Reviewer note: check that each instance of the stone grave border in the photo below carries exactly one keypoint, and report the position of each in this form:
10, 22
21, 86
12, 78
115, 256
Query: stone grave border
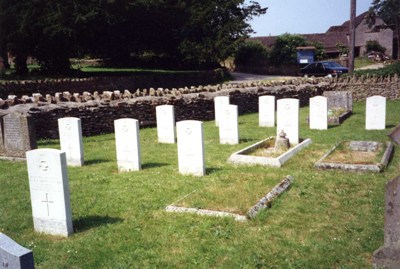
378, 167
241, 157
264, 202
340, 119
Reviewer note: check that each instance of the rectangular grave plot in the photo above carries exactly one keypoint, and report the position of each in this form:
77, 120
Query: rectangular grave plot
357, 156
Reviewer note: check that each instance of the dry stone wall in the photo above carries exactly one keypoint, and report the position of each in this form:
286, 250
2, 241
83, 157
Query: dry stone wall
99, 110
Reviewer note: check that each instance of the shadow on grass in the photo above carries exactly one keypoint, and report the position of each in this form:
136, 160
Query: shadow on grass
211, 170
96, 161
89, 222
45, 142
153, 165
245, 140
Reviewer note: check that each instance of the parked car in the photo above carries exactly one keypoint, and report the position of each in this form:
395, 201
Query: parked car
322, 69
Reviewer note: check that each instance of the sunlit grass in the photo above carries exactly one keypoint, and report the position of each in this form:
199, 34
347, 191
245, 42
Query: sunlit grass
328, 219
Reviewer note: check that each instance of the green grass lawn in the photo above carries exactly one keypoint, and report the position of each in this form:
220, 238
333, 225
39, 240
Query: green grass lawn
327, 219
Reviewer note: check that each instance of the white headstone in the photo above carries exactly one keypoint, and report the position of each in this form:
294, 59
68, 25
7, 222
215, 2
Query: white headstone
219, 103
49, 189
165, 124
266, 111
375, 113
70, 131
228, 125
191, 158
319, 113
128, 144
288, 119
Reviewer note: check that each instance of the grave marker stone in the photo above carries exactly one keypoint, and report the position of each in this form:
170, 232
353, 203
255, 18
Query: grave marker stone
49, 189
375, 114
388, 256
266, 111
70, 132
18, 135
127, 141
319, 113
339, 99
165, 124
219, 103
191, 157
288, 119
228, 125
13, 255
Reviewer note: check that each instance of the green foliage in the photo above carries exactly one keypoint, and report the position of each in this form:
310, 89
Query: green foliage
342, 48
388, 70
319, 50
251, 54
373, 45
328, 219
284, 50
158, 32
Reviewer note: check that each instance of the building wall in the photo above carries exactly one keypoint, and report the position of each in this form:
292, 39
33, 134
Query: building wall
383, 36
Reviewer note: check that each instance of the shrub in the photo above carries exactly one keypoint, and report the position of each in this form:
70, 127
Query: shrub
251, 53
373, 45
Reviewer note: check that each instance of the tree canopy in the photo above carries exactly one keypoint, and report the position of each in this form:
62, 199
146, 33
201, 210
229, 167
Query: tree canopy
389, 11
182, 33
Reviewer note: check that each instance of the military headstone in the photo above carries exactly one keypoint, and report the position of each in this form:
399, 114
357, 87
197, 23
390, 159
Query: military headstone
375, 114
219, 103
339, 99
13, 255
127, 141
49, 189
191, 159
228, 125
266, 111
388, 256
18, 135
288, 119
165, 124
70, 132
319, 113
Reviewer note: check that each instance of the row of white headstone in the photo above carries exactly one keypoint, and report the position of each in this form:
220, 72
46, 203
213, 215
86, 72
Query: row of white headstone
47, 168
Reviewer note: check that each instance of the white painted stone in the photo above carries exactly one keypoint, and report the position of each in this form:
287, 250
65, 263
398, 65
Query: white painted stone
49, 189
266, 111
70, 132
375, 116
191, 158
165, 124
219, 103
288, 119
228, 125
127, 142
319, 113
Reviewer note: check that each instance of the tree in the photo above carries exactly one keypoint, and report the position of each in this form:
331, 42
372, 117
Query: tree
389, 12
284, 50
251, 54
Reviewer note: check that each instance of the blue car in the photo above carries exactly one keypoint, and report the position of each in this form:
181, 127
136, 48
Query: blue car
323, 69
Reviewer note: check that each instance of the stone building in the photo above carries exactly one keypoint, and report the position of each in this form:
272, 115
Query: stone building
340, 35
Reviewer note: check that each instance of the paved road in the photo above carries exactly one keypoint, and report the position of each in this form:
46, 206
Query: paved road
243, 77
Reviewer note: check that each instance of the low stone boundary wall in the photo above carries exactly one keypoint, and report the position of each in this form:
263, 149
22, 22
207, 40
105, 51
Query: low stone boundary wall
99, 110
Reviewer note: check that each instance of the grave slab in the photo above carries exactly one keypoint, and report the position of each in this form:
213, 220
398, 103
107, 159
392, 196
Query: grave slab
18, 136
266, 111
13, 255
288, 119
228, 125
191, 157
319, 113
70, 132
127, 142
388, 256
219, 103
339, 99
165, 124
49, 190
375, 114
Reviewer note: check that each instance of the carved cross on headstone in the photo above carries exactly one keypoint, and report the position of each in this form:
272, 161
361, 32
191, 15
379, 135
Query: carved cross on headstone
47, 204
388, 256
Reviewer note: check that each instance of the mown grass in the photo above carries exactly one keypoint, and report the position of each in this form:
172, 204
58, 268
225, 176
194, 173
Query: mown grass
328, 219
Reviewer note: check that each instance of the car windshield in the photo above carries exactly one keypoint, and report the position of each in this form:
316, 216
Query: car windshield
331, 64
